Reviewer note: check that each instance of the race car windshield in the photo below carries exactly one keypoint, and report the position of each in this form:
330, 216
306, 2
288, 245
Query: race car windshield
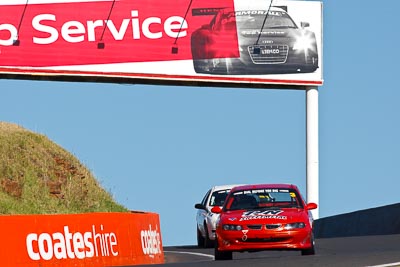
218, 197
254, 20
264, 198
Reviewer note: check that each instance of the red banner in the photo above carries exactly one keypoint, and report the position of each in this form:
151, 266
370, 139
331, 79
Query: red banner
61, 34
93, 239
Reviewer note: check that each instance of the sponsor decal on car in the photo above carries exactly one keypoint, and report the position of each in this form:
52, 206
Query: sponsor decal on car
244, 237
263, 214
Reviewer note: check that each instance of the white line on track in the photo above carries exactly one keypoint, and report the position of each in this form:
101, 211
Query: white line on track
192, 253
394, 264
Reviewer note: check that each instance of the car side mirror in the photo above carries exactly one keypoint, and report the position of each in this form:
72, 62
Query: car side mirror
304, 24
199, 206
216, 209
311, 206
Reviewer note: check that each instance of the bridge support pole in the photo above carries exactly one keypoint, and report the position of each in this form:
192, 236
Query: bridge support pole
312, 147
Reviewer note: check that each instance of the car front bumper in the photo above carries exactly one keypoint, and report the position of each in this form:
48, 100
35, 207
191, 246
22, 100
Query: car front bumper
238, 241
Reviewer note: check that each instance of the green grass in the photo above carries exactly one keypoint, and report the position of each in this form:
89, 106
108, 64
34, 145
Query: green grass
39, 177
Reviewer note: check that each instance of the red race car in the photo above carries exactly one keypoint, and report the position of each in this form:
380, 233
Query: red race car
264, 217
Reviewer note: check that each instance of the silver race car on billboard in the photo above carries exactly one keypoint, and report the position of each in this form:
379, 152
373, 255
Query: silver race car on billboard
268, 42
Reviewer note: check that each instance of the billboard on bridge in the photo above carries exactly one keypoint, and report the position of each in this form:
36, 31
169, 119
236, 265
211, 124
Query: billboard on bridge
275, 42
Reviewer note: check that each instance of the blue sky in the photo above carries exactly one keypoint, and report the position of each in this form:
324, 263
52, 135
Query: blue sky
160, 148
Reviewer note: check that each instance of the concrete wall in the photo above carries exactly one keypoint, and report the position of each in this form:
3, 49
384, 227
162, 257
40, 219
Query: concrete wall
383, 220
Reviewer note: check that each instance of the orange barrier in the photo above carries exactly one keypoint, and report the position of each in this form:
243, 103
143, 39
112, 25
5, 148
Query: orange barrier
91, 239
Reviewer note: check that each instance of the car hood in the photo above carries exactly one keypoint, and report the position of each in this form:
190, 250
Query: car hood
264, 216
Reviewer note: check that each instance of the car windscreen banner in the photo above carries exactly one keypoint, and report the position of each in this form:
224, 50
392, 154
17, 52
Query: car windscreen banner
219, 41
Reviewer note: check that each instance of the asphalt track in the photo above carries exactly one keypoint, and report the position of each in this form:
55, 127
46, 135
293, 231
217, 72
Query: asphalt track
378, 251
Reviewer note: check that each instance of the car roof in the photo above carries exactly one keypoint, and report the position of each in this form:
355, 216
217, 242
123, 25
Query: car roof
257, 8
258, 186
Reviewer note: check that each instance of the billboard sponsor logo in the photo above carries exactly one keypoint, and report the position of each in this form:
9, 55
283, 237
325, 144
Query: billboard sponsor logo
151, 241
76, 31
270, 51
66, 244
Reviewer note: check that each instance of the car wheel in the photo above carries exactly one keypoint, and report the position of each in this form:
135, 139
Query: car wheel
221, 67
210, 66
200, 239
208, 243
221, 255
311, 250
201, 66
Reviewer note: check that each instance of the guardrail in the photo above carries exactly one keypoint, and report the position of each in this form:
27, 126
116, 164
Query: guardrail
383, 220
90, 239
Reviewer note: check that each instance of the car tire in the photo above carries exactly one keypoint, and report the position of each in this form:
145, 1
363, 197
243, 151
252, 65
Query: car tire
311, 250
208, 243
207, 66
221, 255
222, 68
201, 65
200, 239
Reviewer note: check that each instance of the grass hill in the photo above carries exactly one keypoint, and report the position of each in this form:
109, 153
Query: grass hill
39, 177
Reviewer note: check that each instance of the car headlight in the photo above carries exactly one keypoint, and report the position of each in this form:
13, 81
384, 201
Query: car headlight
297, 225
232, 227
304, 42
